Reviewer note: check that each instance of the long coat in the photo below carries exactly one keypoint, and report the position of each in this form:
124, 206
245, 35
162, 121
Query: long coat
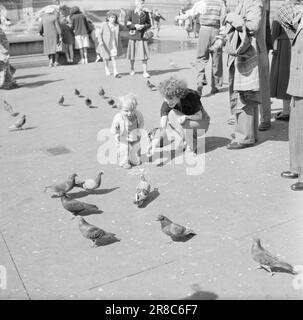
50, 29
104, 38
246, 76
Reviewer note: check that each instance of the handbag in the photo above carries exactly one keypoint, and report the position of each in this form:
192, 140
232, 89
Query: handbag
59, 47
238, 42
148, 35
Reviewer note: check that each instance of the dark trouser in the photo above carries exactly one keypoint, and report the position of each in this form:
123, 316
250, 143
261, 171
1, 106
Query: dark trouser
265, 105
207, 36
233, 96
296, 137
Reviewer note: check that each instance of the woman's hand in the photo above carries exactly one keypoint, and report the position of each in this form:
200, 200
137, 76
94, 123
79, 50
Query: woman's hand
182, 119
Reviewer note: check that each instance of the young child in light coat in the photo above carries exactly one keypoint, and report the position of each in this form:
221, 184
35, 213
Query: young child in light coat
126, 128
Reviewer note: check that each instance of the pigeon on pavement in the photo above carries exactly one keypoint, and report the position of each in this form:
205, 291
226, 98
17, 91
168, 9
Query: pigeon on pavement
111, 101
90, 184
143, 190
61, 101
77, 92
18, 125
267, 261
94, 233
9, 109
150, 85
101, 92
77, 207
174, 230
63, 187
88, 102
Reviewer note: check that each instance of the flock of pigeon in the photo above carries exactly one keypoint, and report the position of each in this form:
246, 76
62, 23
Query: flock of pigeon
98, 236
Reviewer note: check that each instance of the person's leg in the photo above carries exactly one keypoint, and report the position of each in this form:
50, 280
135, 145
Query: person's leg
134, 154
233, 96
286, 107
116, 73
81, 55
245, 123
106, 67
85, 55
56, 57
71, 52
67, 56
132, 67
265, 105
202, 56
217, 66
123, 154
50, 59
145, 73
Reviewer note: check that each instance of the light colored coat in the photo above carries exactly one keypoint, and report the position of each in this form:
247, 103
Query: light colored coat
104, 40
50, 29
295, 85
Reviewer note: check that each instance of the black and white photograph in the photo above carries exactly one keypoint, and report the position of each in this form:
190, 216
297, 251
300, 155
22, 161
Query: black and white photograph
151, 150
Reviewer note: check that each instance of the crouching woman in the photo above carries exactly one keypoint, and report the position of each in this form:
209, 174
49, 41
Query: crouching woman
183, 112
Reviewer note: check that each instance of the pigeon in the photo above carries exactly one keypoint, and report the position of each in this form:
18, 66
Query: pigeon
174, 230
61, 101
9, 109
143, 190
94, 233
77, 207
111, 101
63, 187
77, 92
173, 64
88, 102
267, 261
101, 92
150, 85
91, 184
18, 125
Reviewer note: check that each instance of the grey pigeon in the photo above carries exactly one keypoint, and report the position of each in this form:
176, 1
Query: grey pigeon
174, 230
111, 101
18, 125
78, 207
95, 234
61, 101
88, 102
8, 108
77, 92
91, 184
63, 187
142, 192
101, 92
150, 85
268, 261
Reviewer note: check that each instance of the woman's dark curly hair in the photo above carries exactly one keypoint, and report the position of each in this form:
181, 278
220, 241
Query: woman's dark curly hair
173, 87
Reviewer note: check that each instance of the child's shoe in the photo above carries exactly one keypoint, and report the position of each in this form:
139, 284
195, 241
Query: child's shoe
132, 73
146, 75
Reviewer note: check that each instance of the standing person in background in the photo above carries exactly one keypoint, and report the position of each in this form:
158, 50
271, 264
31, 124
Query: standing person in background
211, 14
265, 105
68, 39
110, 42
283, 33
138, 22
80, 26
7, 80
244, 69
51, 31
157, 20
295, 89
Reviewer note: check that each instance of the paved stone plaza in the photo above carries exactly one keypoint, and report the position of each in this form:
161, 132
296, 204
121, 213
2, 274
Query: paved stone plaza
239, 195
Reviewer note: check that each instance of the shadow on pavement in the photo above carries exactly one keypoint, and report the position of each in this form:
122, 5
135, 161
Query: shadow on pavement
202, 295
82, 194
277, 132
31, 76
213, 143
38, 83
151, 197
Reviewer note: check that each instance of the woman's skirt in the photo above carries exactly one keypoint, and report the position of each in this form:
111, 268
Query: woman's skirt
137, 50
296, 135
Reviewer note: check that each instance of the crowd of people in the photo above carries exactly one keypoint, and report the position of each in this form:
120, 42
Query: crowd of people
243, 32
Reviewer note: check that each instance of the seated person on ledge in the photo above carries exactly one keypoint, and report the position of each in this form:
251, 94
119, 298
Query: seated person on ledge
183, 111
